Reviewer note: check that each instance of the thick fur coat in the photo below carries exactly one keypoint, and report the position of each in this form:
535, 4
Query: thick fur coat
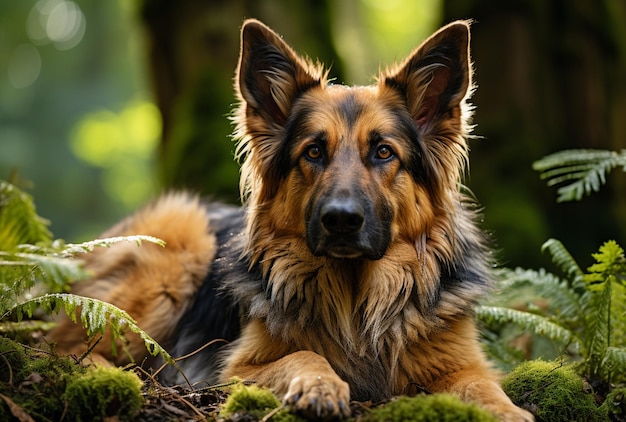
351, 271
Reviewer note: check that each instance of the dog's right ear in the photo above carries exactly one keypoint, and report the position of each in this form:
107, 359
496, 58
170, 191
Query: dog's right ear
270, 75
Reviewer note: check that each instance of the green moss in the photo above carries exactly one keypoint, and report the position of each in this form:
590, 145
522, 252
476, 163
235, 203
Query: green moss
55, 367
103, 392
34, 380
552, 391
251, 399
13, 361
436, 407
256, 402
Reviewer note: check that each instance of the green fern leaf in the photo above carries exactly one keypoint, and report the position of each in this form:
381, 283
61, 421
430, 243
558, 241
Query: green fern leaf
73, 249
610, 264
510, 279
563, 259
586, 169
49, 265
29, 256
530, 322
614, 363
95, 316
598, 333
604, 313
54, 272
500, 351
564, 301
19, 222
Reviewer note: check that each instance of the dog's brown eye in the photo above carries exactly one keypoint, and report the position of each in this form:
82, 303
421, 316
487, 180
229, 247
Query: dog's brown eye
313, 152
384, 152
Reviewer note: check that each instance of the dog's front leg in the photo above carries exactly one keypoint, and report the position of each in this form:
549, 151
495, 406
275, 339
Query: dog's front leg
303, 379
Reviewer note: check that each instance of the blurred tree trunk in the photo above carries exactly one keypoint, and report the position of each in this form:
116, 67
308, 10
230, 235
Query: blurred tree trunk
551, 76
193, 50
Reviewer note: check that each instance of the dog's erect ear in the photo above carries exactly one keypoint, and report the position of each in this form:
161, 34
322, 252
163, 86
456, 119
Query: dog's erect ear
270, 74
437, 76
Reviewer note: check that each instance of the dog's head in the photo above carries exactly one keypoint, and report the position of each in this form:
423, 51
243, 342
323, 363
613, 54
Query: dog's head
351, 169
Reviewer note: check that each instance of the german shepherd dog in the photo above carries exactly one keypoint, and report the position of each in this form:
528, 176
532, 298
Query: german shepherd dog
351, 270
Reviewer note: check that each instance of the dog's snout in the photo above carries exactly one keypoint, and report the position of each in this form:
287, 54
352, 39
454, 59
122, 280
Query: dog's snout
343, 216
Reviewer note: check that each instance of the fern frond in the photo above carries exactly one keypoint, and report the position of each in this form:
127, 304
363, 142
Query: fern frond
49, 265
512, 278
501, 351
19, 222
536, 324
55, 272
73, 249
614, 364
586, 169
610, 264
618, 315
605, 281
564, 260
62, 250
597, 334
16, 277
95, 316
564, 302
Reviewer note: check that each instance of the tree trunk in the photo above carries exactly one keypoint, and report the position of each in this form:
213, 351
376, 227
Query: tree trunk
193, 47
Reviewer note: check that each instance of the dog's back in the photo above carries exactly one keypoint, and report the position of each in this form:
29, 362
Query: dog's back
170, 291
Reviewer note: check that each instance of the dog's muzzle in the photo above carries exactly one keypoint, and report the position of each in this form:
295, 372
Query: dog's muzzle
346, 226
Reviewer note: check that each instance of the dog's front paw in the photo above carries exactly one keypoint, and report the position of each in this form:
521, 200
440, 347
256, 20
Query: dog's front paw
320, 397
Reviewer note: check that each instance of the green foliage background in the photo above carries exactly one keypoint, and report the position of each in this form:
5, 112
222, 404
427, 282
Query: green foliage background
82, 124
84, 130
80, 129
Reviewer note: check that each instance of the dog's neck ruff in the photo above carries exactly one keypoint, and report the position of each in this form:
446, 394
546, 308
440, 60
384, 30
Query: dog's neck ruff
366, 306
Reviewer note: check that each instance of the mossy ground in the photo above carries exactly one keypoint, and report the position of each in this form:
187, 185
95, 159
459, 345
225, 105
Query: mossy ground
426, 408
49, 388
46, 387
554, 392
102, 392
245, 402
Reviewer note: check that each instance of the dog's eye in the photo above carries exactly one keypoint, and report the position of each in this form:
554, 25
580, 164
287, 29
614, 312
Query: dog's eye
313, 152
384, 152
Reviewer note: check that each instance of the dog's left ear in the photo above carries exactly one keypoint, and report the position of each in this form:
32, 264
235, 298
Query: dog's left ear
436, 77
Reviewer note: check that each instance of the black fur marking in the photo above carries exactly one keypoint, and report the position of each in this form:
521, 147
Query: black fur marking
417, 166
213, 315
294, 129
350, 109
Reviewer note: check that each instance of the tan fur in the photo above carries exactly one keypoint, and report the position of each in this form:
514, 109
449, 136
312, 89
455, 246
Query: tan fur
153, 284
390, 313
438, 351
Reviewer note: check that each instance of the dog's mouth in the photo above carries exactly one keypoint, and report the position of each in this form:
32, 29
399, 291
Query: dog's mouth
350, 247
344, 252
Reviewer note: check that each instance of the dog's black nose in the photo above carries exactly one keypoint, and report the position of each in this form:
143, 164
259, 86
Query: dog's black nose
342, 216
